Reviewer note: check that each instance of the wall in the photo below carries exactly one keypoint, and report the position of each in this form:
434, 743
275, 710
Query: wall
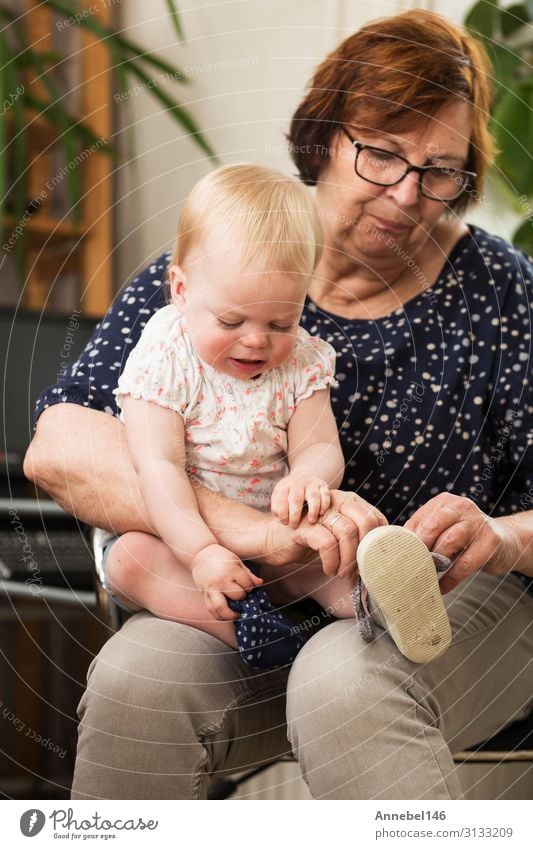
247, 63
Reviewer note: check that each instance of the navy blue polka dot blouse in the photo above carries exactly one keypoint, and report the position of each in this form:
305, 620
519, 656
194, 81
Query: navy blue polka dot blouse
434, 397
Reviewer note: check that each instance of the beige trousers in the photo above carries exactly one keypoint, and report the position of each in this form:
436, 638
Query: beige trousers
168, 708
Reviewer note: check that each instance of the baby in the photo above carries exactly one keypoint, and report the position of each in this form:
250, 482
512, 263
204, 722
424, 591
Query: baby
225, 390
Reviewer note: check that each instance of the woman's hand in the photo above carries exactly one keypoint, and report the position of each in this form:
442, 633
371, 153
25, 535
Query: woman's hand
334, 538
456, 527
349, 519
218, 573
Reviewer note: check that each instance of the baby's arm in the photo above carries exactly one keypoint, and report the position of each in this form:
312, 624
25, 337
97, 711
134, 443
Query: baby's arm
156, 441
315, 459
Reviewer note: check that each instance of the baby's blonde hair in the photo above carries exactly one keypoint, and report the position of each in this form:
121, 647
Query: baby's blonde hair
268, 215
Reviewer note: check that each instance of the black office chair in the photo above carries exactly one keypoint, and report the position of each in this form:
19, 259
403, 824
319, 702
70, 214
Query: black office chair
514, 744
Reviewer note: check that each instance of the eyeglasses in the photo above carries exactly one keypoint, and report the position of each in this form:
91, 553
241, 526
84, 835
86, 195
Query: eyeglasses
383, 168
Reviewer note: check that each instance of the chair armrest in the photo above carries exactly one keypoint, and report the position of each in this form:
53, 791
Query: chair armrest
112, 615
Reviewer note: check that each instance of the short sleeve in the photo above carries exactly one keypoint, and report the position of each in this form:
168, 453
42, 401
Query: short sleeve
159, 368
90, 380
314, 366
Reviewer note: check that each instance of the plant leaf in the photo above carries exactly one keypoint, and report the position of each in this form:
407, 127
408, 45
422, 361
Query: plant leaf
529, 9
112, 36
523, 237
513, 18
175, 109
506, 63
24, 58
124, 48
85, 135
513, 129
504, 190
175, 19
483, 18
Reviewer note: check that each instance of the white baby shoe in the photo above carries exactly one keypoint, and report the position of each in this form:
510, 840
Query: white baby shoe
399, 575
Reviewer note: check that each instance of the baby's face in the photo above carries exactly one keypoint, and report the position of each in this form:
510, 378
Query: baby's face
241, 321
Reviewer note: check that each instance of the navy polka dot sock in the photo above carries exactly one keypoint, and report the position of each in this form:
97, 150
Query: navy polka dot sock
265, 638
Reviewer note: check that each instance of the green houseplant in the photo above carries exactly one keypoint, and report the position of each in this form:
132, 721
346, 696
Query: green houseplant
507, 33
129, 60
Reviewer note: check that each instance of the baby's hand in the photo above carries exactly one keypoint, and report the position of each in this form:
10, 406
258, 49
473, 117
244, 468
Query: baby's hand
291, 493
218, 572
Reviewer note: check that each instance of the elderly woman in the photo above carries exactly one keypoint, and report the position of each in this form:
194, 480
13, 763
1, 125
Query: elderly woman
430, 320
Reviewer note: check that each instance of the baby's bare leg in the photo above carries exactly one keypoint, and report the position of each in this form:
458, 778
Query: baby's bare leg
293, 583
144, 574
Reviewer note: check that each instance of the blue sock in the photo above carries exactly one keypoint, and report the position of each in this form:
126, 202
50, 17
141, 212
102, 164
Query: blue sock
265, 638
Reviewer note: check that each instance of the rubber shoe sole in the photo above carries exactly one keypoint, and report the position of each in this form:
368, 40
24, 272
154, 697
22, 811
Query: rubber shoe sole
399, 573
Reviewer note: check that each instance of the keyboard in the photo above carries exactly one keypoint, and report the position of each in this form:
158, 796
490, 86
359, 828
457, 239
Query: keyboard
45, 547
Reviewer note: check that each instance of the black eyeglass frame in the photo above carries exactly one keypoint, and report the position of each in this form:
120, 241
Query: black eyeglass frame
421, 170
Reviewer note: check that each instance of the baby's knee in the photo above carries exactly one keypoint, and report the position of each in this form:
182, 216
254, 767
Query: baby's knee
129, 558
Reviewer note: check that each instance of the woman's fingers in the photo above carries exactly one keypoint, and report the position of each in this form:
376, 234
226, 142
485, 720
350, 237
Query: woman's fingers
356, 518
471, 546
454, 539
454, 526
319, 539
461, 569
364, 516
335, 545
342, 525
347, 535
433, 519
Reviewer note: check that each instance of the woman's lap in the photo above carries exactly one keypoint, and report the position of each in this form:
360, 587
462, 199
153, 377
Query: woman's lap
385, 726
167, 706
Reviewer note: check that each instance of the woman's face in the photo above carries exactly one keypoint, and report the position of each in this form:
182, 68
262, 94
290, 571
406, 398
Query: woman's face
369, 222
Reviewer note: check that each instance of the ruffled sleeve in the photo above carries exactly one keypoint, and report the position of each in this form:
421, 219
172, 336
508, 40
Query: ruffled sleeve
314, 363
159, 369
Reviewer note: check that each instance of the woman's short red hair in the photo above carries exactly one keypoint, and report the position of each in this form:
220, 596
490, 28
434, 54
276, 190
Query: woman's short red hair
391, 75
